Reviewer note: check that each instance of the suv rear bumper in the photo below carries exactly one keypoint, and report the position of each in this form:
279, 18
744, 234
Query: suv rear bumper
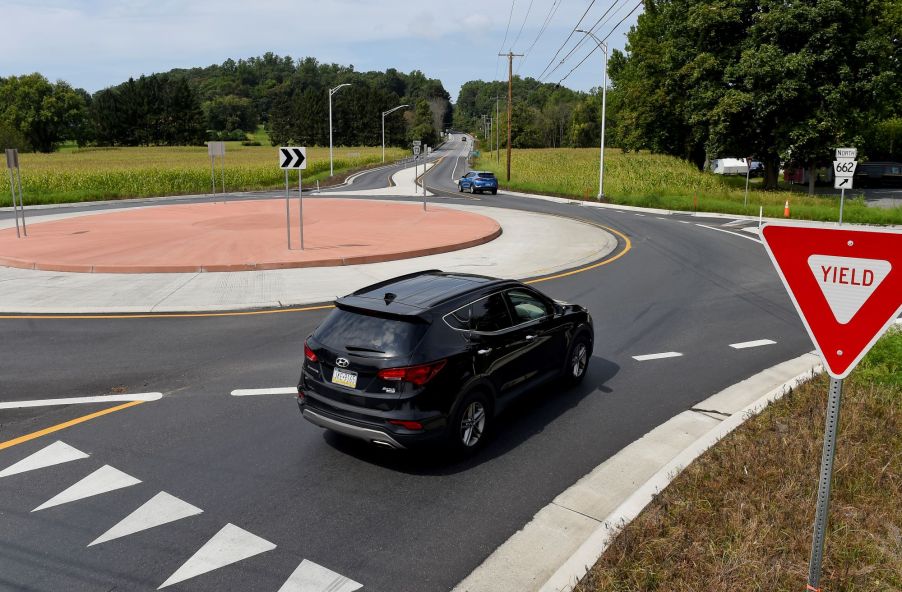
370, 435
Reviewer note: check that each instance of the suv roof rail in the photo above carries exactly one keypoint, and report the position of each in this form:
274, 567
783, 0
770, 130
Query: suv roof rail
394, 280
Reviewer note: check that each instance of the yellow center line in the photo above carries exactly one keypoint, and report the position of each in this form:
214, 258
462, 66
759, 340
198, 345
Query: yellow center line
66, 424
628, 245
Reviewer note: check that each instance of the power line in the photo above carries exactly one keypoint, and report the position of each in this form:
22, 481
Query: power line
635, 8
523, 24
506, 31
583, 39
548, 19
566, 40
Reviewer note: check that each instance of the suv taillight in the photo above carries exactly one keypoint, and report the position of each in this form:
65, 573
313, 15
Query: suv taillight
308, 353
418, 375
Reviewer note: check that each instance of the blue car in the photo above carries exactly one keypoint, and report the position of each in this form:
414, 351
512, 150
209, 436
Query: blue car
478, 182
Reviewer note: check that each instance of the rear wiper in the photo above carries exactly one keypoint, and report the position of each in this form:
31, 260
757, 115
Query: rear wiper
363, 349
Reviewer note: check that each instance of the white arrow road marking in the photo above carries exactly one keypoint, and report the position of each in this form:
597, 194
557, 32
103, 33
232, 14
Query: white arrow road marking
82, 400
160, 509
288, 390
748, 344
660, 356
56, 453
229, 545
103, 480
311, 577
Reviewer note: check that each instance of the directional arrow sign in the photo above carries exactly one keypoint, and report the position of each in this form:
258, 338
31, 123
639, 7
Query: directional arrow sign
845, 284
293, 157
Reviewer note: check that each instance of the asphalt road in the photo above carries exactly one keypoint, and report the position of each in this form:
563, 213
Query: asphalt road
390, 521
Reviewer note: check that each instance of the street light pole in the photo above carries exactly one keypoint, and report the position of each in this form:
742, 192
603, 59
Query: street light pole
604, 99
384, 113
332, 91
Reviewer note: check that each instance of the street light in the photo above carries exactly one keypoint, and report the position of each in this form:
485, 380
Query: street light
604, 96
384, 113
332, 91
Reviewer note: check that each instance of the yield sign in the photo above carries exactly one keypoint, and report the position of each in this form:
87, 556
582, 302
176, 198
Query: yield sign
846, 285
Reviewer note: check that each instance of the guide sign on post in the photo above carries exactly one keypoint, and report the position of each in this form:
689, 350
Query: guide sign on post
215, 149
12, 162
843, 173
847, 288
294, 157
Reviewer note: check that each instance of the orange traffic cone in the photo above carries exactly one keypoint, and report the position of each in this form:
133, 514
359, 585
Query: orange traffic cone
786, 209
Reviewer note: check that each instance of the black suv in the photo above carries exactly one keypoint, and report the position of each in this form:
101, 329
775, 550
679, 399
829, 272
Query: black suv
435, 356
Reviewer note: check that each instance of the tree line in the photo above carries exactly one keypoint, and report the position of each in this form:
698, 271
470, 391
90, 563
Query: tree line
774, 80
226, 101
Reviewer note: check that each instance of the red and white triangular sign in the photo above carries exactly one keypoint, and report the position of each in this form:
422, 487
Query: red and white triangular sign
846, 285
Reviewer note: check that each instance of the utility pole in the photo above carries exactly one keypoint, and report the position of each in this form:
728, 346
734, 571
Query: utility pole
510, 102
497, 133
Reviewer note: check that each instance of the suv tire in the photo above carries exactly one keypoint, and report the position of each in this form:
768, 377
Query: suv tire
469, 427
577, 361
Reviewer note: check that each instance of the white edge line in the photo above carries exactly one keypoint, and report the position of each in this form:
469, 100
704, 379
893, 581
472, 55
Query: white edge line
588, 553
728, 232
82, 400
288, 390
748, 344
660, 356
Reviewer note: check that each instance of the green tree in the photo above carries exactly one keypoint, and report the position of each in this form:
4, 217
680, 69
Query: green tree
43, 113
230, 113
422, 127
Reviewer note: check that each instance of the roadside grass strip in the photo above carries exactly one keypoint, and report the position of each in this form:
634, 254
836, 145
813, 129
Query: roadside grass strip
660, 356
751, 344
740, 516
143, 397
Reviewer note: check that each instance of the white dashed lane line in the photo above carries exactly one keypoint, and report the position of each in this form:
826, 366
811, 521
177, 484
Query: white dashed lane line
729, 232
287, 390
82, 400
749, 344
660, 356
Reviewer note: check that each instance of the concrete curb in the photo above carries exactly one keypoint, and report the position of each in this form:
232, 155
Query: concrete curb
569, 574
558, 545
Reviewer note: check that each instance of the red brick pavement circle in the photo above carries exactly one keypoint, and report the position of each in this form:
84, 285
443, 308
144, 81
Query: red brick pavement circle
243, 236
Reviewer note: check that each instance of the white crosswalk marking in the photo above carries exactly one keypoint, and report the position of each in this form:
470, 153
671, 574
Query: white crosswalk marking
103, 480
748, 344
311, 577
229, 545
55, 454
160, 509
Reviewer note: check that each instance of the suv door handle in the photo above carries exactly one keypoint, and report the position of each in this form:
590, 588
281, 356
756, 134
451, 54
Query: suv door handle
530, 337
483, 352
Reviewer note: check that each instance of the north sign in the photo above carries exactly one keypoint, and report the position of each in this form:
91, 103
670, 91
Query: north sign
845, 284
293, 157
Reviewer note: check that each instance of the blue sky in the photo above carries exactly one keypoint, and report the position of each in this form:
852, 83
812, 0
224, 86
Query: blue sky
97, 43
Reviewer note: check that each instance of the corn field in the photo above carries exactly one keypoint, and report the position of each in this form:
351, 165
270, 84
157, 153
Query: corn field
113, 173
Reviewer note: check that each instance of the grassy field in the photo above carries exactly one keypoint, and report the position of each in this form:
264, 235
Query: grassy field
73, 175
658, 181
740, 517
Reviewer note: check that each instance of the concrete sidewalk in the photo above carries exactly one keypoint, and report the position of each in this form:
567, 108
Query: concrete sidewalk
530, 245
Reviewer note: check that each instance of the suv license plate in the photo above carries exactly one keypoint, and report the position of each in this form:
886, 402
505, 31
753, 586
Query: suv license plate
344, 378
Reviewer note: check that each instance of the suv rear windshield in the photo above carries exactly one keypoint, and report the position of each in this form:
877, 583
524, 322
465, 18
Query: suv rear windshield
352, 332
486, 175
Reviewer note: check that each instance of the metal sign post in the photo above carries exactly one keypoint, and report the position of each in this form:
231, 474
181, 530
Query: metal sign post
823, 488
293, 157
12, 162
215, 149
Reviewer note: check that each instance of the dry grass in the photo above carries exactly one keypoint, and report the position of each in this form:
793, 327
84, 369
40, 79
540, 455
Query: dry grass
740, 518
